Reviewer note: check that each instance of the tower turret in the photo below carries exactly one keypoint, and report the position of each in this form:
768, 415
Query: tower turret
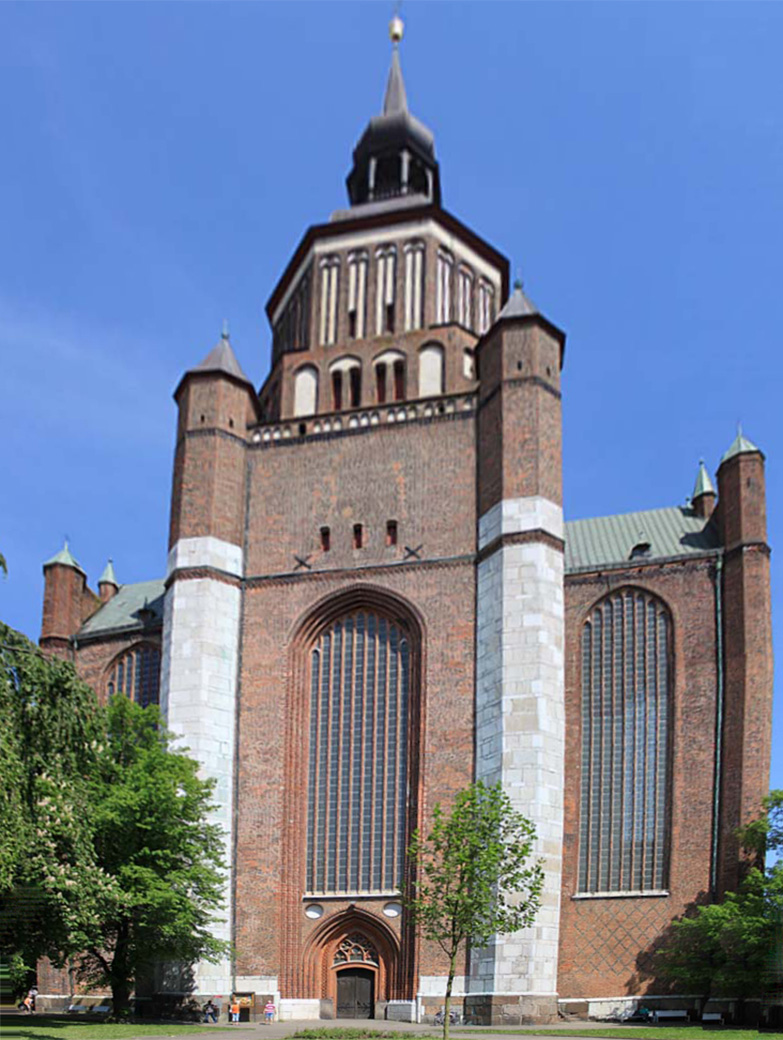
108, 586
520, 682
65, 589
395, 156
747, 632
703, 497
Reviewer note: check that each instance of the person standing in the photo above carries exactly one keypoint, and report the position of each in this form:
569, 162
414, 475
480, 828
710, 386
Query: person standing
269, 1012
233, 1010
210, 1012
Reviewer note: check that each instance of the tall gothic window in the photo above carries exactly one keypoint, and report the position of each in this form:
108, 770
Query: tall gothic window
414, 285
486, 302
384, 289
330, 271
358, 763
443, 296
626, 708
465, 297
357, 294
137, 675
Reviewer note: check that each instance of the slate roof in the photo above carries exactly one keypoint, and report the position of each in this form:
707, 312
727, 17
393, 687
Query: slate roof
121, 612
222, 359
518, 305
605, 540
66, 557
703, 485
739, 446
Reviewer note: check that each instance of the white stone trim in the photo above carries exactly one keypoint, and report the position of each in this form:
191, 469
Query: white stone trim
515, 515
206, 551
435, 986
291, 1010
198, 700
520, 724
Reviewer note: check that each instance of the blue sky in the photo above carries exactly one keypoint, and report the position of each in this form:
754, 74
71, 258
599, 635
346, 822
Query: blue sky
161, 161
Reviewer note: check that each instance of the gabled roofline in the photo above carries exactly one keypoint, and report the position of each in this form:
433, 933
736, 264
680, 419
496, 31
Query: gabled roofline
387, 219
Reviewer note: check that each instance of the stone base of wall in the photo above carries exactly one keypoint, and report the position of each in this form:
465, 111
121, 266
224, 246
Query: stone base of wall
398, 1011
291, 1010
511, 1009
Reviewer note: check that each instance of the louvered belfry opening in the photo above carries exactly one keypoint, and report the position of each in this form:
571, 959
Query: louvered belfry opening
358, 755
626, 708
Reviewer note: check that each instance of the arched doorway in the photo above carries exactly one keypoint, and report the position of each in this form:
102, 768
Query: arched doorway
356, 964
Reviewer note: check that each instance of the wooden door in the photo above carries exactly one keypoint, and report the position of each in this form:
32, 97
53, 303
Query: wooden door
355, 996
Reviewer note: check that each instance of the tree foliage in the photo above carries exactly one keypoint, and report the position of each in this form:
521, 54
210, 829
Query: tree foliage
473, 875
727, 948
113, 864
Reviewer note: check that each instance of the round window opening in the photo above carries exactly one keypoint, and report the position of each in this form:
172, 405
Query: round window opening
393, 909
314, 911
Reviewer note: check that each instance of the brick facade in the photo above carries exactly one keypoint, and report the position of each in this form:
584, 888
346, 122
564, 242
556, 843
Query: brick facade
459, 499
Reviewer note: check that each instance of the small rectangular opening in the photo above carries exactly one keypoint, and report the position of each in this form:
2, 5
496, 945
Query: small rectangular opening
326, 539
391, 532
352, 324
380, 382
355, 376
337, 391
389, 317
358, 536
399, 380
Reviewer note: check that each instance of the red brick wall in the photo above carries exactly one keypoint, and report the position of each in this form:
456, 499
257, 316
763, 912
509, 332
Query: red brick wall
605, 942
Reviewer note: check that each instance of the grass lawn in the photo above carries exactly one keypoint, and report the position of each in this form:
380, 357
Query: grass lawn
640, 1032
41, 1027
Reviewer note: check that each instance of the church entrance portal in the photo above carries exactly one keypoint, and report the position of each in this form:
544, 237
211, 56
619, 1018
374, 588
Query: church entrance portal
355, 993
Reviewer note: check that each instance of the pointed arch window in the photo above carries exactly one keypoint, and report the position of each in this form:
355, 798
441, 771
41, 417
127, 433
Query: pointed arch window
360, 690
486, 305
465, 296
443, 293
626, 709
385, 257
136, 673
414, 285
330, 276
357, 294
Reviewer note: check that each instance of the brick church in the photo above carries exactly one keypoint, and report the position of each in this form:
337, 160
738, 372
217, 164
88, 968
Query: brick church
371, 598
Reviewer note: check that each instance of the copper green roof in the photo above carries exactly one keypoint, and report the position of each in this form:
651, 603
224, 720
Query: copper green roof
65, 557
739, 446
121, 613
610, 540
108, 577
703, 485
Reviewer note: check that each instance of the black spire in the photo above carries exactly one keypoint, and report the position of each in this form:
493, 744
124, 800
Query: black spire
395, 156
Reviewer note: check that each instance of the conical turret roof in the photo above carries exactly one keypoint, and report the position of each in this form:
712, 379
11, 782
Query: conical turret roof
108, 577
65, 557
703, 485
222, 359
739, 446
518, 305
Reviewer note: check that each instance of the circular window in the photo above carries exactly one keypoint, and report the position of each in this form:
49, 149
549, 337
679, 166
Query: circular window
314, 911
392, 909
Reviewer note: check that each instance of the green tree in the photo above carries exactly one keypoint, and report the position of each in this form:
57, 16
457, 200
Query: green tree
162, 874
117, 865
727, 948
49, 733
473, 876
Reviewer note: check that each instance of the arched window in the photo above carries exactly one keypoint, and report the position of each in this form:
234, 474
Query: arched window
358, 758
346, 376
431, 370
306, 391
626, 708
385, 258
357, 293
465, 296
468, 363
486, 305
445, 275
414, 285
330, 271
136, 673
390, 376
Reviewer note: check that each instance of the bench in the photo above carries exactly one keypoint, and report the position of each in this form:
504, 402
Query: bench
101, 1009
713, 1016
75, 1009
662, 1016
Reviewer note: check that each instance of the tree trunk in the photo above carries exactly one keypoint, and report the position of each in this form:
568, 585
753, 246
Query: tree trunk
449, 984
120, 975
